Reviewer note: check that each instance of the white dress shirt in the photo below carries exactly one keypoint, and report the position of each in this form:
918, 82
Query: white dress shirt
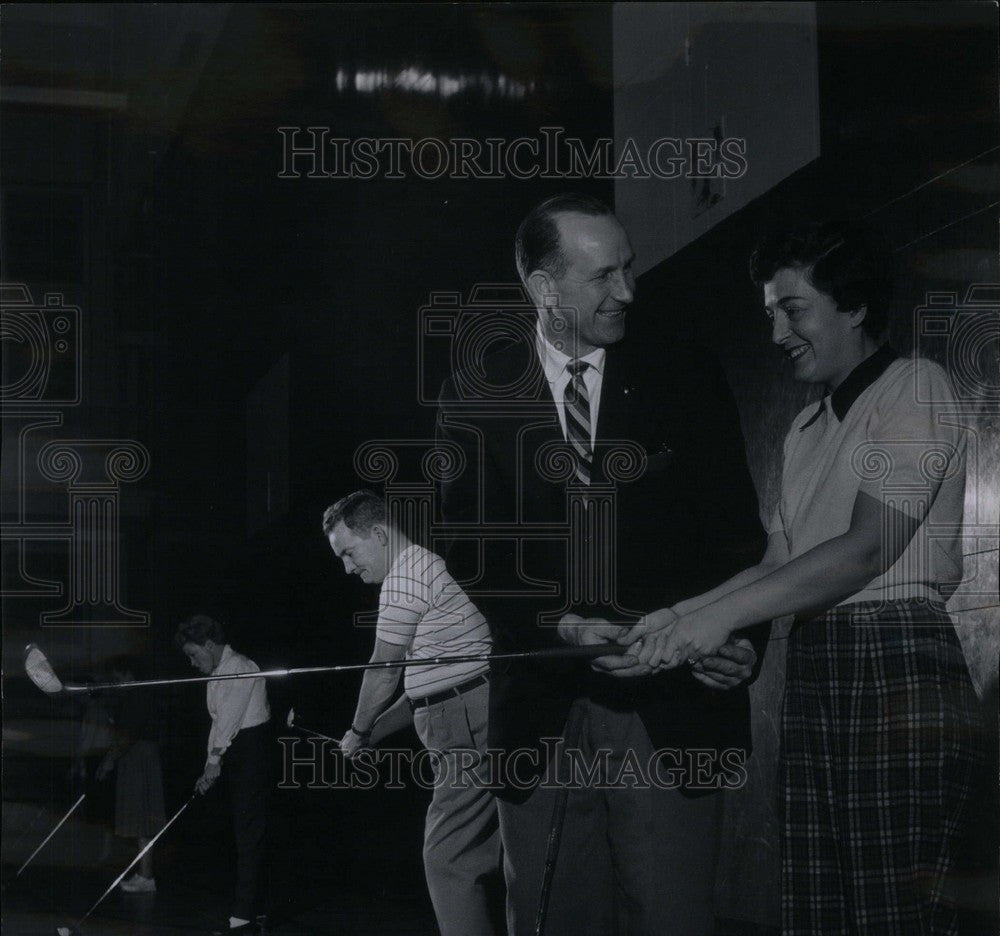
234, 704
554, 363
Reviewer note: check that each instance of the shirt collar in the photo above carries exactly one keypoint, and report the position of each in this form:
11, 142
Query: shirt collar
227, 652
398, 565
860, 379
854, 384
554, 361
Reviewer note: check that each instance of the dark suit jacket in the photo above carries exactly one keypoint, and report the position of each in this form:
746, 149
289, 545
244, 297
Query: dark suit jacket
686, 524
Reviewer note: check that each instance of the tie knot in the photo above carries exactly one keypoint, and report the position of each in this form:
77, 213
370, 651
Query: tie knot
576, 367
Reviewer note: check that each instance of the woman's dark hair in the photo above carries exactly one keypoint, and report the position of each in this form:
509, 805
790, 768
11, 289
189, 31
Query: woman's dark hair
849, 265
198, 629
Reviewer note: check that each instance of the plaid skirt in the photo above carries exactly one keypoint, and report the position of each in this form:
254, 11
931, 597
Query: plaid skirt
139, 792
881, 751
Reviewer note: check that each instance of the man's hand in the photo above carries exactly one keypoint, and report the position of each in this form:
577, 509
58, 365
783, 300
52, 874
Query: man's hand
352, 743
205, 782
643, 640
691, 638
589, 632
731, 665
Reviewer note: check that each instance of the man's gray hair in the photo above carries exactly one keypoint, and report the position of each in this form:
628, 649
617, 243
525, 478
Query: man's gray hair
358, 511
537, 243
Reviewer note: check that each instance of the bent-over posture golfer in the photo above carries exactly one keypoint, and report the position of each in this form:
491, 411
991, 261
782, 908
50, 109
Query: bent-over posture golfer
239, 738
424, 614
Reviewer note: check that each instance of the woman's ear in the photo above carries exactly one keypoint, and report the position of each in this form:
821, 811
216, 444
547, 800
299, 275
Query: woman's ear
858, 315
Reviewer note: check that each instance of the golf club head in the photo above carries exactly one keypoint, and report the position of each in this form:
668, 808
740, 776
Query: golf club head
68, 931
40, 672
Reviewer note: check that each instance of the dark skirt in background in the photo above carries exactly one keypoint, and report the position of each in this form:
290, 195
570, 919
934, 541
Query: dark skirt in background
881, 754
139, 811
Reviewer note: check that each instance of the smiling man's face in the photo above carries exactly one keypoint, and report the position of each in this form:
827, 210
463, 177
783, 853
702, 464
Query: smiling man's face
362, 555
596, 288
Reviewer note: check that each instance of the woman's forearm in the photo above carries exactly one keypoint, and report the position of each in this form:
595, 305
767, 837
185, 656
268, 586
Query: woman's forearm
816, 580
739, 580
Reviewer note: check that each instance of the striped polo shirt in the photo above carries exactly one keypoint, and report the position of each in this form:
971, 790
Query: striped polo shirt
424, 609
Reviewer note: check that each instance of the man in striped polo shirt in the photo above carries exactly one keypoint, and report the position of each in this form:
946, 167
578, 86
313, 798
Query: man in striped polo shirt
423, 614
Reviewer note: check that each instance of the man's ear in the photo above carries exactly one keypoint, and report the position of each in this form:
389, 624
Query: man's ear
380, 533
858, 315
542, 289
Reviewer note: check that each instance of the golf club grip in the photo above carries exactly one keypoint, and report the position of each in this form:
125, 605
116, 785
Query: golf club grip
585, 652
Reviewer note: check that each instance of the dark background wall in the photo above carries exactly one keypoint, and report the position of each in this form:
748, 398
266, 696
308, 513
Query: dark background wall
251, 331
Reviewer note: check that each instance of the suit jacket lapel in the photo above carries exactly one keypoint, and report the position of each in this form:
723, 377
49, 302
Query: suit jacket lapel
613, 417
518, 367
532, 420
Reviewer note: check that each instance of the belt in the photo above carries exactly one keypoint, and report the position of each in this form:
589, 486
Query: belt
451, 693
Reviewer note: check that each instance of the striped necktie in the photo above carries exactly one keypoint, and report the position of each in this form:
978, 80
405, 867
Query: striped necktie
577, 406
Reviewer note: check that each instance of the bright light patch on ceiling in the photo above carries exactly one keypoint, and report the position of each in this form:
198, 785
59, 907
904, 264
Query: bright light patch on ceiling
418, 81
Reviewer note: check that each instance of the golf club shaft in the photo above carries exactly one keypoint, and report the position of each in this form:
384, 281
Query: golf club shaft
138, 857
587, 652
315, 734
574, 728
45, 841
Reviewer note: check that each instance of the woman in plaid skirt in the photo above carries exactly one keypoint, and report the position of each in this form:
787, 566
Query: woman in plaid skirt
880, 725
135, 754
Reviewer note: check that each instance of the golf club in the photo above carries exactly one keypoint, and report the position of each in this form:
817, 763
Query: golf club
39, 670
45, 841
71, 930
574, 728
290, 721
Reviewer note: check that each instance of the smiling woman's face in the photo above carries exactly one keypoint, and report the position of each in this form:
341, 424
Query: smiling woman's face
820, 340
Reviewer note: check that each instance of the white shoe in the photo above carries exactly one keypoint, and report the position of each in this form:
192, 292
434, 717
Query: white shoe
137, 884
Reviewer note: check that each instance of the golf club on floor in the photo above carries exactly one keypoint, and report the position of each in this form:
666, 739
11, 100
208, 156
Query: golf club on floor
39, 670
75, 928
45, 841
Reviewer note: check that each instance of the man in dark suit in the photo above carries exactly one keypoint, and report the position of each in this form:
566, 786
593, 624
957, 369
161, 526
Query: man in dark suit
599, 483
